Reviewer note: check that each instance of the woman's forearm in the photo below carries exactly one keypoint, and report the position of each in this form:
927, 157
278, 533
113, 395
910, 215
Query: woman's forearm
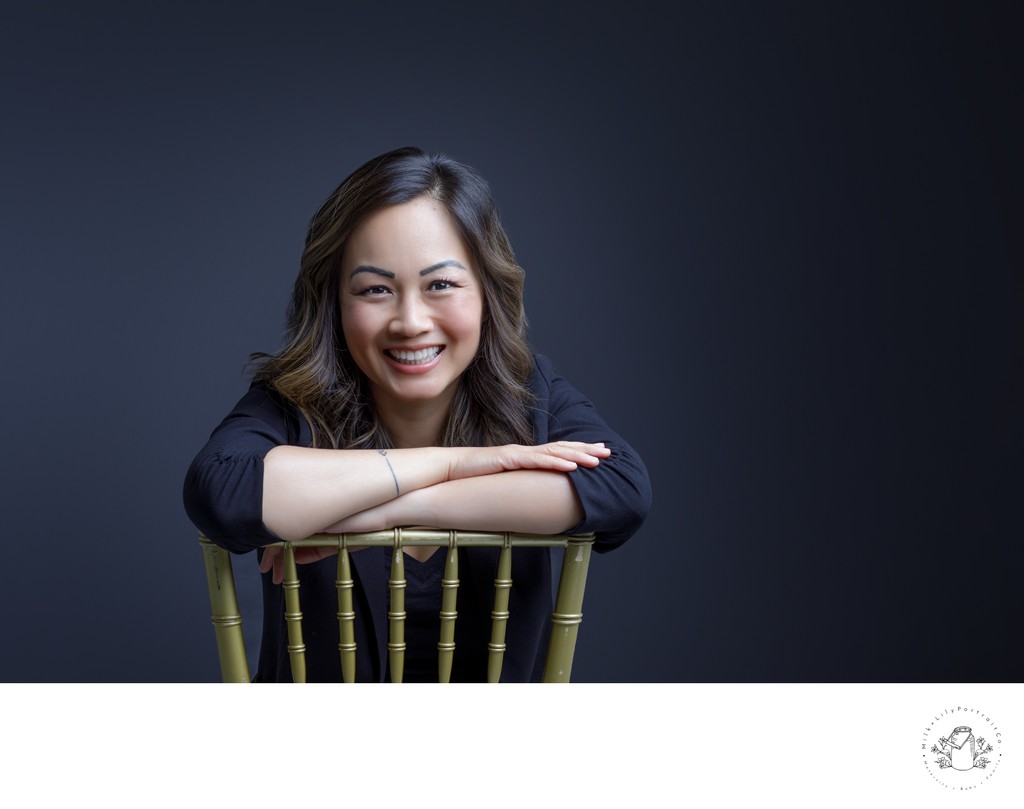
306, 489
526, 501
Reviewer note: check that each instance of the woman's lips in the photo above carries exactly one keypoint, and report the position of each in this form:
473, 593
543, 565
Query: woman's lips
414, 361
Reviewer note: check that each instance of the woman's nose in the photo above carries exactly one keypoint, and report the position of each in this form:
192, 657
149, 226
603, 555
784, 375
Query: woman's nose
412, 317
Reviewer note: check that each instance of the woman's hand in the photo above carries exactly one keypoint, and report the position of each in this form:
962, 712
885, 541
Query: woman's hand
558, 456
273, 558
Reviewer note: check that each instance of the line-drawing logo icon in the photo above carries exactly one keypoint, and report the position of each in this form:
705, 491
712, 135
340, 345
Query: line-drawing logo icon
962, 747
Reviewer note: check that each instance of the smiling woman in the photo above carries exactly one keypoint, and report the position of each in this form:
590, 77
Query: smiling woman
406, 394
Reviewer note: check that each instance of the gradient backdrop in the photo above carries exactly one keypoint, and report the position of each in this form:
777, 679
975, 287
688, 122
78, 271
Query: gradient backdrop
778, 246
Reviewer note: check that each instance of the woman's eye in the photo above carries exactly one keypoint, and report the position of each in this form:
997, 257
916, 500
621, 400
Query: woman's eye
440, 283
374, 291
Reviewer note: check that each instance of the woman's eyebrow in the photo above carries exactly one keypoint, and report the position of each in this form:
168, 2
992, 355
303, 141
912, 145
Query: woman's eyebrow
371, 268
388, 274
447, 263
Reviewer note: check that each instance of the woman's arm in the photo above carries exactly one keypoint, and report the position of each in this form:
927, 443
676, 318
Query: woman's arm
306, 489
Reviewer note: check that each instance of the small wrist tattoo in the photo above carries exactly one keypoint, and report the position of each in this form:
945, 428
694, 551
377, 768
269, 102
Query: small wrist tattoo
384, 454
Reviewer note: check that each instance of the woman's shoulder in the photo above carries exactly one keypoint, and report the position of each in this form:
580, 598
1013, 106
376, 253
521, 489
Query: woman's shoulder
549, 386
261, 395
543, 376
262, 407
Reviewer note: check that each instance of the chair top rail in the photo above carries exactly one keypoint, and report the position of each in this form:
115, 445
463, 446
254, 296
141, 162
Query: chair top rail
417, 536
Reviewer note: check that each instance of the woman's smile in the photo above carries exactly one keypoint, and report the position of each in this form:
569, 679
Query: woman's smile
420, 360
415, 357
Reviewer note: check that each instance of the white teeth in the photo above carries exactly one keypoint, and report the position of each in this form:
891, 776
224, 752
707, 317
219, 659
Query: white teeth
414, 357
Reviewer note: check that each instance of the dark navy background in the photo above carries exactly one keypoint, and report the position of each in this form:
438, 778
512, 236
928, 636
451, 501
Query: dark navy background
778, 246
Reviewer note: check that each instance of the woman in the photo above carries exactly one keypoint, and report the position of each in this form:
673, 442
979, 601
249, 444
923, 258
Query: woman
406, 394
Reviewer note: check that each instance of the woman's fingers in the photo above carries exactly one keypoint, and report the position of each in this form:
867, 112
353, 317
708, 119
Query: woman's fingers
579, 452
273, 559
561, 456
267, 561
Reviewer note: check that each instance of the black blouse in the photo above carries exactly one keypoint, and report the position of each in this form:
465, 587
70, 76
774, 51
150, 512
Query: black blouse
223, 495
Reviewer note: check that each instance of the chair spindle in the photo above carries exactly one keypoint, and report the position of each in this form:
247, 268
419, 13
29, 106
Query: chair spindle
293, 615
346, 614
499, 615
449, 595
396, 614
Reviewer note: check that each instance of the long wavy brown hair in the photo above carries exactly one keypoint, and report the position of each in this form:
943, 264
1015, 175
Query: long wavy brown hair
315, 371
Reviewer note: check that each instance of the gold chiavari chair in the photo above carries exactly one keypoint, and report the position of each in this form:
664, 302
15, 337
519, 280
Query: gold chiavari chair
565, 619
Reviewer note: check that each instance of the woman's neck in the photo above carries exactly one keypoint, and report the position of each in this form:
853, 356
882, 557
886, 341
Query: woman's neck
414, 424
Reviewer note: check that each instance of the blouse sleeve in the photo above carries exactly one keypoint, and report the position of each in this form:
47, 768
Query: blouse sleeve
616, 494
223, 489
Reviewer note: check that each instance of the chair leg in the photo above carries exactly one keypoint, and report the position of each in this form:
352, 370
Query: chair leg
225, 615
568, 614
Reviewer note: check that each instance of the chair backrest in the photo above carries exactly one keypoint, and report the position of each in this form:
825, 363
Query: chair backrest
565, 620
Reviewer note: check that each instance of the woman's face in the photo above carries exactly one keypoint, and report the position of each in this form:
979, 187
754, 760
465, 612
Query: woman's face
411, 303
